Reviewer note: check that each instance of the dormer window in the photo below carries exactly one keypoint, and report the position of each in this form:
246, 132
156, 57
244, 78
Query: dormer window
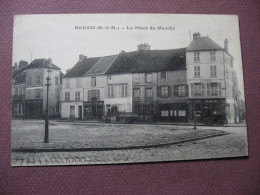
196, 56
213, 56
163, 75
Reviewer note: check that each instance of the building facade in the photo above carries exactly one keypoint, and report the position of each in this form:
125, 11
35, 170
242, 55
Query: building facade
29, 94
210, 78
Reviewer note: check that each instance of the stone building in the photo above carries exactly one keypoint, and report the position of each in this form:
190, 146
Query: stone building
29, 87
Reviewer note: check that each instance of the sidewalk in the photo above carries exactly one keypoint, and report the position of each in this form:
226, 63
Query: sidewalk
99, 137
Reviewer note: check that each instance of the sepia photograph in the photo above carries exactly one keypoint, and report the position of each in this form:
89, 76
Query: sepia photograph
126, 88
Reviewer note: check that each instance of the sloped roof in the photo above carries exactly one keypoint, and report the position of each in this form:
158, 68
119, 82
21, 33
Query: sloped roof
149, 61
102, 65
42, 63
82, 67
203, 43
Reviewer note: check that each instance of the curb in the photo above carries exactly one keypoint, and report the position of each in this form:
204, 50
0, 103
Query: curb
29, 150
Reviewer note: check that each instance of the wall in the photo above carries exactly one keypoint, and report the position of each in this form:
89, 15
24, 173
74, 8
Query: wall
124, 104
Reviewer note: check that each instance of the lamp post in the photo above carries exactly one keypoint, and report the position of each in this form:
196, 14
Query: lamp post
46, 135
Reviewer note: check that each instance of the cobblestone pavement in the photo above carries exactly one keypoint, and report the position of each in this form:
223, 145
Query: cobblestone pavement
230, 145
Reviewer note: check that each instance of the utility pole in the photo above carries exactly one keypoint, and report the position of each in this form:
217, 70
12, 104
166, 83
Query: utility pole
46, 136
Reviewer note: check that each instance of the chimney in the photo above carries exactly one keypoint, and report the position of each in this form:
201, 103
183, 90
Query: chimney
15, 67
196, 35
143, 47
82, 57
226, 44
122, 51
22, 64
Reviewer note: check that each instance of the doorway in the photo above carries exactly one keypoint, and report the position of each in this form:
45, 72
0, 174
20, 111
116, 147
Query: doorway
72, 111
80, 112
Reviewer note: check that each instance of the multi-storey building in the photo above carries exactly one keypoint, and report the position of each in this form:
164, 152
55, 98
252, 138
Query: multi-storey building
210, 79
155, 77
29, 89
18, 90
73, 89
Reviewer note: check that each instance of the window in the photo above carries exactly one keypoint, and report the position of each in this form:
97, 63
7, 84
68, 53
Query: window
164, 91
93, 81
93, 95
38, 79
181, 90
149, 78
215, 89
163, 75
136, 78
56, 80
110, 91
124, 91
196, 56
213, 71
77, 96
164, 113
196, 71
197, 89
182, 112
16, 91
67, 96
213, 56
67, 83
137, 93
148, 93
38, 93
28, 94
29, 81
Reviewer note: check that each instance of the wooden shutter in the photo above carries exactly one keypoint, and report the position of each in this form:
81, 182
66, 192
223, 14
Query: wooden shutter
89, 95
159, 91
175, 90
191, 86
97, 95
186, 90
169, 91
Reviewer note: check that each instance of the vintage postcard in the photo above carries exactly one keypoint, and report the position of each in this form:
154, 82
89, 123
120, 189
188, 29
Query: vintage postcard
126, 88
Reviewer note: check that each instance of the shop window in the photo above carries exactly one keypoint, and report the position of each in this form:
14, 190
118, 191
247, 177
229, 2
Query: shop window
38, 93
181, 112
164, 113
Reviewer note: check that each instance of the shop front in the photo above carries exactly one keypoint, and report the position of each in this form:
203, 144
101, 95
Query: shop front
173, 112
206, 108
93, 110
34, 109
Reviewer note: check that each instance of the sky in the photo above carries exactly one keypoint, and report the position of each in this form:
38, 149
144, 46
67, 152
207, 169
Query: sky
56, 37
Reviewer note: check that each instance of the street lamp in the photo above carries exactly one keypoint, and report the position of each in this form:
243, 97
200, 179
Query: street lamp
46, 136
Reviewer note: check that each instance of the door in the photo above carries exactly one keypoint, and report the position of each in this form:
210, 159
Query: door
80, 112
72, 111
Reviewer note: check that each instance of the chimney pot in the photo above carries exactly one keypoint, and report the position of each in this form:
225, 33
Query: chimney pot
226, 44
196, 35
82, 57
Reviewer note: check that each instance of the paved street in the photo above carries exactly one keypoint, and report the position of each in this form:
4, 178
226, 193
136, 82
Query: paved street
138, 143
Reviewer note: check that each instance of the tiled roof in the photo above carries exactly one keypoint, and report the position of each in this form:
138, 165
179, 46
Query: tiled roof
82, 67
149, 61
102, 65
42, 63
203, 43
